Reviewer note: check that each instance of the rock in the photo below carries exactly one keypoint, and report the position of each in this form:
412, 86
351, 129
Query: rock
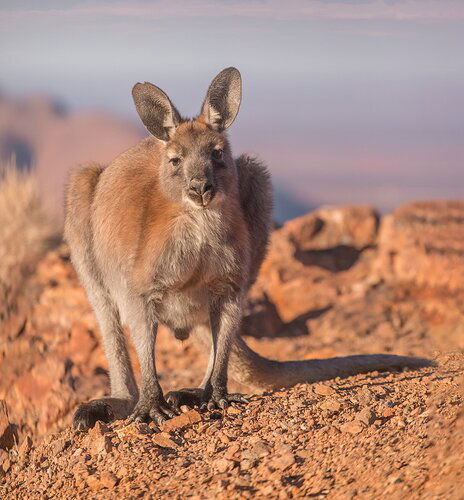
94, 483
223, 465
231, 410
4, 420
4, 456
387, 412
330, 227
99, 429
260, 449
423, 243
164, 441
127, 431
212, 446
283, 461
232, 451
323, 390
212, 429
366, 417
8, 432
365, 396
109, 480
25, 447
400, 422
60, 445
312, 264
6, 464
135, 430
379, 390
331, 405
143, 429
100, 445
353, 427
223, 438
81, 344
246, 464
37, 383
268, 491
78, 452
181, 421
299, 274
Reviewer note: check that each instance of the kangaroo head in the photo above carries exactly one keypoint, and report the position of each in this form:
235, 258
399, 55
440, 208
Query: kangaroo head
197, 165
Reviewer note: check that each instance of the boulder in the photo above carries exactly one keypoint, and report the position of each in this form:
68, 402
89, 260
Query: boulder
423, 243
308, 259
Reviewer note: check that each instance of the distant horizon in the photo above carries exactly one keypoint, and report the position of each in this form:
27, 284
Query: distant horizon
347, 100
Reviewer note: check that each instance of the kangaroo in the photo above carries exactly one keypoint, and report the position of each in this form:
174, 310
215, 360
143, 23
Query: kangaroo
173, 232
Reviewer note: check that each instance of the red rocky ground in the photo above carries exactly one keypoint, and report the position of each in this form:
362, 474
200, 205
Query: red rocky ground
337, 281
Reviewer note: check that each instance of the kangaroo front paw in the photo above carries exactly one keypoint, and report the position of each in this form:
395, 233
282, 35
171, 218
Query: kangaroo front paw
185, 397
87, 414
222, 400
158, 410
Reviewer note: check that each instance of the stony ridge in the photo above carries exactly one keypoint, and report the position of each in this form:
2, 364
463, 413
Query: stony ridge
371, 436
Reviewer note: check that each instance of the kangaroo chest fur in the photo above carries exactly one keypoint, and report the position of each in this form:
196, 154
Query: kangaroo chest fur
201, 259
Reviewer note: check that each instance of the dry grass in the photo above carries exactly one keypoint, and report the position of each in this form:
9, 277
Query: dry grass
26, 231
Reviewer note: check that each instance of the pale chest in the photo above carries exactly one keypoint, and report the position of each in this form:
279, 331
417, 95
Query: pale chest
198, 262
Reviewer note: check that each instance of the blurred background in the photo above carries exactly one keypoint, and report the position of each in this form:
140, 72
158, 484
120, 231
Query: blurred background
348, 101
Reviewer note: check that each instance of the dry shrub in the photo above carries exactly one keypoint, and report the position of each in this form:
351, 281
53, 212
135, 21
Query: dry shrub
26, 231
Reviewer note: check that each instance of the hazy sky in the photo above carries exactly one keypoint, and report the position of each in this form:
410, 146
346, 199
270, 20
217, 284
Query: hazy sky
365, 94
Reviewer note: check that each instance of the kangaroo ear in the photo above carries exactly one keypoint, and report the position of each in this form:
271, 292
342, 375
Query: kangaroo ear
156, 110
223, 99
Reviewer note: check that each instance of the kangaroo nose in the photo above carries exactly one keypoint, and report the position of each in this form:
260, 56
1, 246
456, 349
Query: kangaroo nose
200, 186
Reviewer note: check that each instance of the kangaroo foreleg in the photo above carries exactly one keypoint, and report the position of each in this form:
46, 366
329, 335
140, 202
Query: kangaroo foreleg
194, 396
225, 314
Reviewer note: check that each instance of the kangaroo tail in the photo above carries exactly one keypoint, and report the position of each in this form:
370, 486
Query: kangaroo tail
252, 370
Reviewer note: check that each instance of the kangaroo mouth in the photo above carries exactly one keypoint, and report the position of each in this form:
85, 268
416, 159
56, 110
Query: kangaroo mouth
203, 200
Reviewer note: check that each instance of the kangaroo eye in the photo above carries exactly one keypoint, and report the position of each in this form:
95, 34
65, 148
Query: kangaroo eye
217, 154
175, 161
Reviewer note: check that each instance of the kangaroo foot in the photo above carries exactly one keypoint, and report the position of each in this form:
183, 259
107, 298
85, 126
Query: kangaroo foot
202, 398
87, 414
185, 397
223, 400
157, 410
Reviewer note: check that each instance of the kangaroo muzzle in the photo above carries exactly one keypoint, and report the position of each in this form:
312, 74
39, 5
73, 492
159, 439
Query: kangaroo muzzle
201, 191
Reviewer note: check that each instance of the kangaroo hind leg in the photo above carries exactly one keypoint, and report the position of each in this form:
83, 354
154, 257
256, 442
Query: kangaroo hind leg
124, 393
78, 233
